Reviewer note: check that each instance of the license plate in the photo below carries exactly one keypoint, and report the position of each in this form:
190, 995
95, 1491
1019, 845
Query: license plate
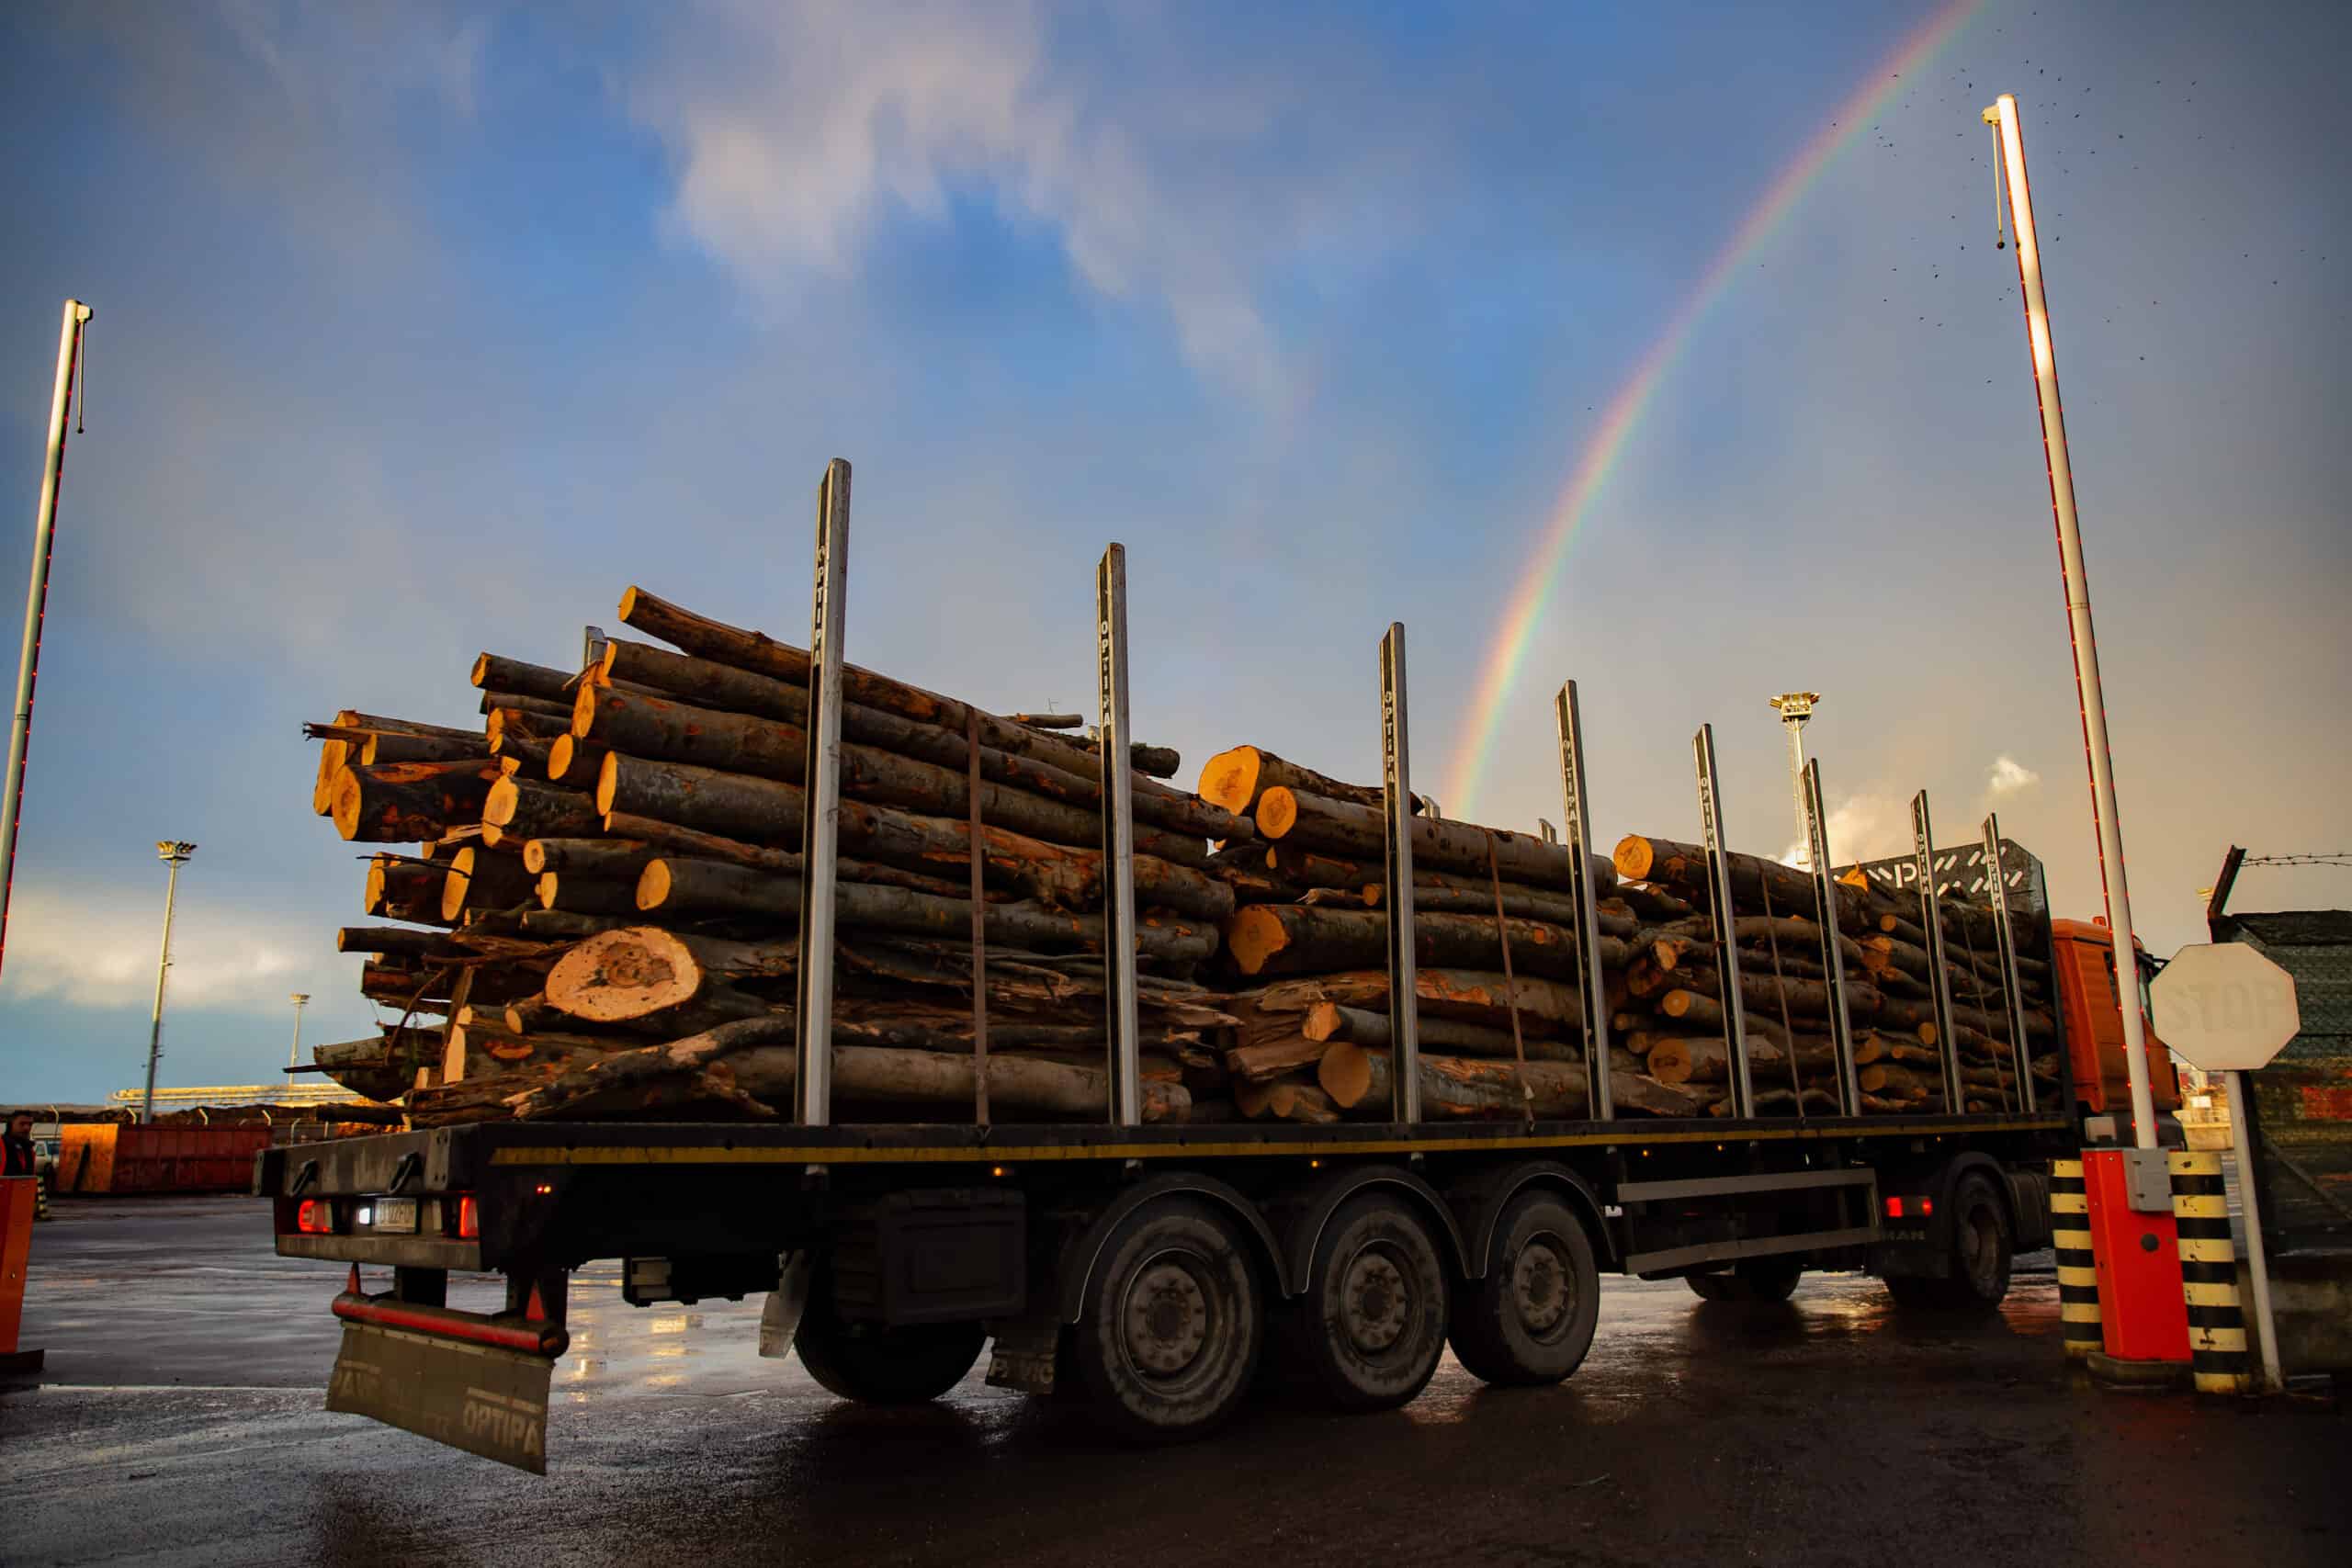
395, 1215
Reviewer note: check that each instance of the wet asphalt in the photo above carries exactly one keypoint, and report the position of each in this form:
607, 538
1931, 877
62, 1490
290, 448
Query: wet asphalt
180, 1422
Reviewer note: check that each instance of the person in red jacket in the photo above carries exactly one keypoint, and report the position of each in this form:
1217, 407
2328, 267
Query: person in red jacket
18, 1145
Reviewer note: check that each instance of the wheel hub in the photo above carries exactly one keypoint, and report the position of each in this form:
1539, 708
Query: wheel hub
1166, 1317
1539, 1284
1375, 1302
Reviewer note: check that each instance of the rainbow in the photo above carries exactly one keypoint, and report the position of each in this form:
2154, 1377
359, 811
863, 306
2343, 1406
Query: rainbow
1538, 584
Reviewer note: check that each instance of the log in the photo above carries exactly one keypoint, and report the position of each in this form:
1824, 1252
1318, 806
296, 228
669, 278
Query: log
1475, 995
1453, 1085
378, 723
395, 881
403, 801
493, 672
484, 879
505, 726
710, 887
384, 746
687, 844
587, 856
1360, 1026
1684, 866
1235, 779
1527, 903
1300, 1102
1890, 1078
1290, 938
587, 894
572, 760
531, 810
394, 941
1319, 822
1266, 1060
557, 710
753, 651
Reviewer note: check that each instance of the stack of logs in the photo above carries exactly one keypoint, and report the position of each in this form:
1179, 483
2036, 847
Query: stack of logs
593, 912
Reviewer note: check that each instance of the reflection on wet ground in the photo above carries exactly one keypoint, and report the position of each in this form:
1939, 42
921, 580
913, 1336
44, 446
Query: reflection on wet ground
184, 1416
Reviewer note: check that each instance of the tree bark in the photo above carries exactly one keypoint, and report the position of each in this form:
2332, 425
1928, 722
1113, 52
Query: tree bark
1360, 1026
573, 762
1358, 1079
484, 879
587, 894
402, 801
1474, 995
531, 810
394, 882
1684, 866
588, 856
1234, 779
384, 746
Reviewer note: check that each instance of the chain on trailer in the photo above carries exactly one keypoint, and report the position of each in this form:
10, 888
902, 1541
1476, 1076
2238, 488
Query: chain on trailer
813, 1078
2004, 939
1833, 953
1396, 808
1720, 916
1118, 837
1575, 806
1931, 922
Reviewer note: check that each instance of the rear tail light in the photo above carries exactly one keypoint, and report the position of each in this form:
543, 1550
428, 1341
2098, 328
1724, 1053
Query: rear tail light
469, 1218
1894, 1208
1926, 1207
314, 1216
1897, 1208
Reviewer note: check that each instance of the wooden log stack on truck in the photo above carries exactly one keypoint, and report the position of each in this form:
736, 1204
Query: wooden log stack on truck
945, 1029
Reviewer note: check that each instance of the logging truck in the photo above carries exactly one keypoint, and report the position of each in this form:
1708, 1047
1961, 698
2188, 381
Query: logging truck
1421, 1155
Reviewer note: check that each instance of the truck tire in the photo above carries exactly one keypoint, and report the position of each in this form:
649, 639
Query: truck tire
877, 1365
1755, 1280
1981, 1250
1171, 1323
1530, 1320
1370, 1329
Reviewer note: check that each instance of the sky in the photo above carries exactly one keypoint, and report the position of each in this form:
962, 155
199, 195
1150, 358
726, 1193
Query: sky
427, 330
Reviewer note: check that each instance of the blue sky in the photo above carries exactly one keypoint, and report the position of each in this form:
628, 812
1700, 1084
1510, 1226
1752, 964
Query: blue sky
427, 330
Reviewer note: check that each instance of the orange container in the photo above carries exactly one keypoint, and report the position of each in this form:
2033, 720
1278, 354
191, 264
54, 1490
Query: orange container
158, 1159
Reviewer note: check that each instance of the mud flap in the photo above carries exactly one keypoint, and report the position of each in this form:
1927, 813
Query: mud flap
480, 1398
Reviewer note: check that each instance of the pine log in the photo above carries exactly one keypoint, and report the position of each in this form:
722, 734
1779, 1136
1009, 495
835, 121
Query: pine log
588, 856
572, 760
1357, 1078
384, 746
711, 886
531, 810
1318, 822
484, 879
1290, 938
1360, 1026
751, 650
1235, 779
408, 800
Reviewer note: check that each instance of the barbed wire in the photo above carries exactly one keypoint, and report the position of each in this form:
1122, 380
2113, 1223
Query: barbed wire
2326, 857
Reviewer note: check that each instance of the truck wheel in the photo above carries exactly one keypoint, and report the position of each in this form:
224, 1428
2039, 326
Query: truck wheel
1172, 1324
1371, 1327
878, 1365
1531, 1319
1756, 1279
1983, 1247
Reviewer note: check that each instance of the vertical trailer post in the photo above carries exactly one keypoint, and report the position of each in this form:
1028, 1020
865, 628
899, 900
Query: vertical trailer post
1932, 921
1397, 805
1832, 954
813, 1078
1719, 915
1118, 836
1575, 807
2005, 934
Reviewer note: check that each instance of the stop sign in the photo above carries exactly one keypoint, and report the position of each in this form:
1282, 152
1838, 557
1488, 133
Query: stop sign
2224, 1007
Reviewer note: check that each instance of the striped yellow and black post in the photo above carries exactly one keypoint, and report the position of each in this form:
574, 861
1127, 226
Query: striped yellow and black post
41, 1195
2209, 1273
2070, 1235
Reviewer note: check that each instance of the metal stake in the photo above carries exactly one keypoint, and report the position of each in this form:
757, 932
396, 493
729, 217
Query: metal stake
1932, 921
592, 646
1576, 808
2005, 938
294, 1052
1118, 836
69, 347
1397, 805
2258, 1261
1711, 818
812, 1079
2002, 117
1833, 952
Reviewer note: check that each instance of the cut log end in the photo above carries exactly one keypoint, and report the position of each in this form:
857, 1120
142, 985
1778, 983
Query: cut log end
623, 975
1277, 812
1633, 858
1345, 1074
653, 883
505, 795
1254, 936
1230, 779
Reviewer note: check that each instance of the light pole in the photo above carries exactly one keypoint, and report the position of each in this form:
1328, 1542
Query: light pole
2003, 117
1796, 708
20, 735
294, 1054
173, 852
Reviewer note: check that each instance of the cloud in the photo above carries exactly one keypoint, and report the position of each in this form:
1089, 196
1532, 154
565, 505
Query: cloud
1860, 828
2007, 777
1173, 175
98, 951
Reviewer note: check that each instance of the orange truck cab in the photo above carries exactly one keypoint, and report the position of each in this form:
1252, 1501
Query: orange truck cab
2083, 956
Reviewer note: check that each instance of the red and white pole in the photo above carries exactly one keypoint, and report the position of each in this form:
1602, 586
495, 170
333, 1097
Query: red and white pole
2003, 117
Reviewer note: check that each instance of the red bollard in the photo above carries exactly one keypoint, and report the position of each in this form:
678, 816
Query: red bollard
2143, 1318
18, 1200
